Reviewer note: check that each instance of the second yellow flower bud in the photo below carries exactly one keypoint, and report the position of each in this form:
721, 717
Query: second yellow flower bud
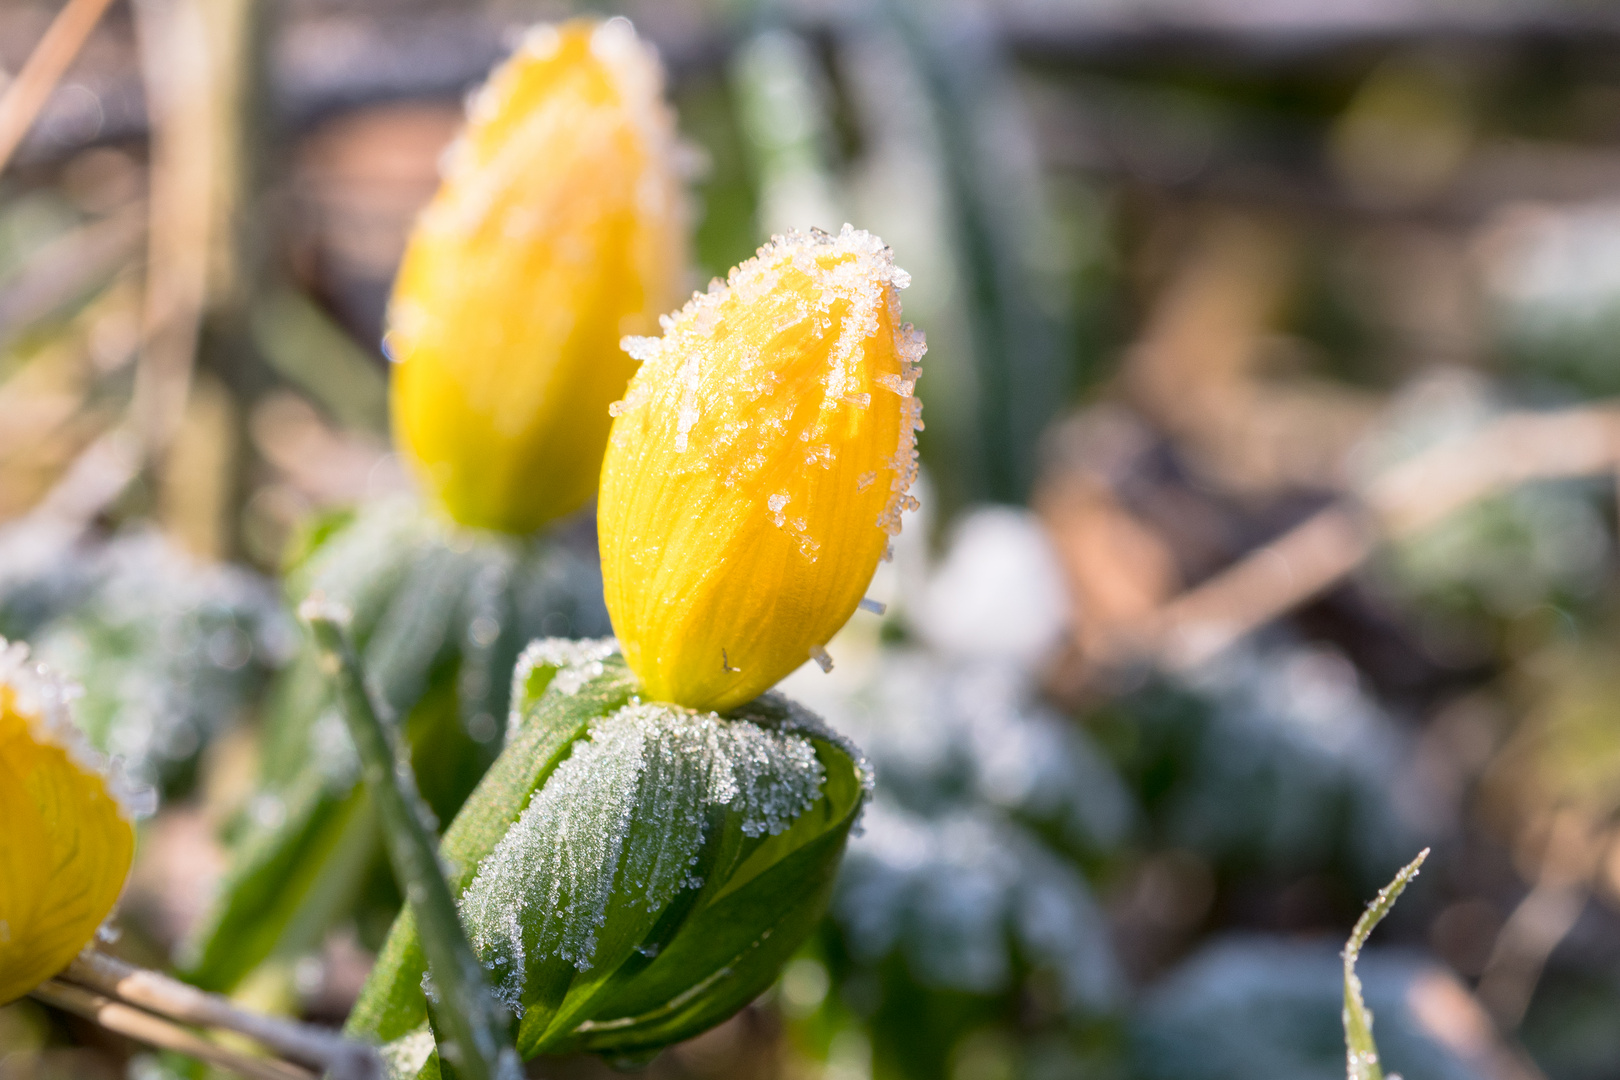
558, 229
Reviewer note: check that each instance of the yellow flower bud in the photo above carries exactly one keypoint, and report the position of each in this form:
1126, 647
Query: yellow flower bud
558, 229
65, 838
758, 468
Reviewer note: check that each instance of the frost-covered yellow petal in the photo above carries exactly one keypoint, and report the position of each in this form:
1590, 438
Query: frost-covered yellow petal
65, 840
558, 229
758, 468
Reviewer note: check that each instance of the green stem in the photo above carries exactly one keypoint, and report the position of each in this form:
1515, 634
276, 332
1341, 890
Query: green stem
480, 1043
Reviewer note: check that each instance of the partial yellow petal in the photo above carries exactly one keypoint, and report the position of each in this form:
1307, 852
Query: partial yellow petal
758, 468
66, 840
559, 228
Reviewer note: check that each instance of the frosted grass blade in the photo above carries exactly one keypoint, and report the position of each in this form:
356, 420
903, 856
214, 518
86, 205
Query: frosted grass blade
480, 1045
1361, 1053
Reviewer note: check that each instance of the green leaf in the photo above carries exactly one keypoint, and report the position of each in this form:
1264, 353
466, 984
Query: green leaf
305, 345
290, 874
580, 881
311, 534
440, 615
309, 841
739, 938
1361, 1053
662, 875
633, 874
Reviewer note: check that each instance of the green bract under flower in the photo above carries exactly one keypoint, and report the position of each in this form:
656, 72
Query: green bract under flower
633, 873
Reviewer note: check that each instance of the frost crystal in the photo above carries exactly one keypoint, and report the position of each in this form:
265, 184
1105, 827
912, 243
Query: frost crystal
575, 662
641, 349
406, 1055
775, 708
619, 825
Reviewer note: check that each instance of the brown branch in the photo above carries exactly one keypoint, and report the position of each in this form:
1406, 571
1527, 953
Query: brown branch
1316, 554
178, 69
144, 1027
44, 69
175, 1000
69, 267
1543, 918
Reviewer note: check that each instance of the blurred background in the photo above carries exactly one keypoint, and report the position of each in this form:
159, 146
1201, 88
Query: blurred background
1269, 523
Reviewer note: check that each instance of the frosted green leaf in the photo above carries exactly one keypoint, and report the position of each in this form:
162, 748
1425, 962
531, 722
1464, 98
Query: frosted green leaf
563, 663
773, 708
404, 1057
1361, 1053
543, 727
621, 822
440, 617
726, 836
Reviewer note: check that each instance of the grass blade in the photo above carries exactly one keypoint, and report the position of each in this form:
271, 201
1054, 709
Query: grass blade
1361, 1053
481, 1043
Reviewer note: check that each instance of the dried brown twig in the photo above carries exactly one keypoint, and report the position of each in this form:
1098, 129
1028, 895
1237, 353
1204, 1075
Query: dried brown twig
28, 93
1203, 621
1544, 917
144, 1027
154, 1009
174, 1000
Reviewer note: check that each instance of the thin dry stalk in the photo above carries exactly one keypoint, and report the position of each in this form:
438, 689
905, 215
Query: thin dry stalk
28, 93
175, 1000
1543, 918
177, 67
69, 267
143, 1027
1308, 559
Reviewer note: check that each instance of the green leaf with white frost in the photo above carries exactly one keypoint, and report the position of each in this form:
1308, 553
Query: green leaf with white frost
578, 883
740, 930
440, 616
660, 878
667, 865
1361, 1053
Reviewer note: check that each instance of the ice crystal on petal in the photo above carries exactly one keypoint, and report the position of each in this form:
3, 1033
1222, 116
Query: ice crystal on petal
847, 301
641, 348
